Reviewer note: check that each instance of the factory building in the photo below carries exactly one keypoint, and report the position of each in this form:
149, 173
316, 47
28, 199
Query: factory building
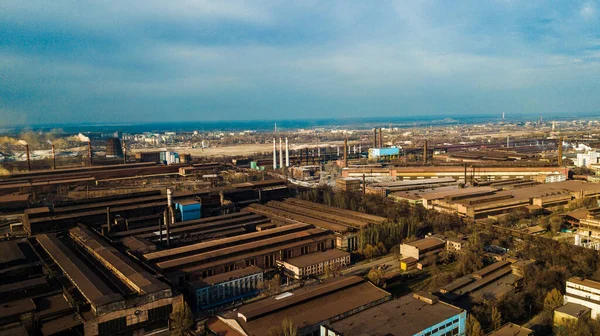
348, 184
383, 153
489, 283
475, 173
218, 290
88, 287
345, 224
484, 202
413, 314
261, 249
308, 307
315, 264
386, 188
422, 248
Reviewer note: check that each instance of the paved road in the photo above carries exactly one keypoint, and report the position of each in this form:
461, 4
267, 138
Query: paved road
364, 268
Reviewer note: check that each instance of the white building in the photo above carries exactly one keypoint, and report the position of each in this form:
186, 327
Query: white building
584, 292
587, 159
315, 263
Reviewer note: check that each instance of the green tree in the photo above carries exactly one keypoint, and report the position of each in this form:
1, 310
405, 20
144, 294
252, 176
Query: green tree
369, 251
496, 318
376, 276
473, 326
288, 327
181, 319
553, 300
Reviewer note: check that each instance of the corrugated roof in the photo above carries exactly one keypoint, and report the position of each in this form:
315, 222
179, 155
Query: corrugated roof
316, 258
82, 277
132, 274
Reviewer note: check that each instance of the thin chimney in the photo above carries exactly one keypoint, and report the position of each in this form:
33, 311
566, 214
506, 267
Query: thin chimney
280, 154
274, 155
287, 153
380, 138
374, 137
425, 152
346, 153
108, 220
90, 153
124, 153
28, 159
53, 158
560, 151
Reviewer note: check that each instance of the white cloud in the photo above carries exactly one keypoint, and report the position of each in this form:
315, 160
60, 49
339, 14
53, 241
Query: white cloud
588, 11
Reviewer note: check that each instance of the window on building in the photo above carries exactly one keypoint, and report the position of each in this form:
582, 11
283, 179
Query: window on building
251, 262
160, 313
229, 268
112, 327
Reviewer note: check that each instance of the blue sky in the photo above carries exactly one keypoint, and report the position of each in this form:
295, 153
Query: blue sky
144, 61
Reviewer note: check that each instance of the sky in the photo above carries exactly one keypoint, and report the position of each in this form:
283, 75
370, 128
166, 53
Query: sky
73, 61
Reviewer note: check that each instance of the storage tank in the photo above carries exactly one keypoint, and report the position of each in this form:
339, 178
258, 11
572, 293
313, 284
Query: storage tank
114, 148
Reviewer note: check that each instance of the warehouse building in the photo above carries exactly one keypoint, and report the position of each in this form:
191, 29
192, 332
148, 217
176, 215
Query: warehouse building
315, 264
217, 290
421, 248
261, 249
413, 314
308, 307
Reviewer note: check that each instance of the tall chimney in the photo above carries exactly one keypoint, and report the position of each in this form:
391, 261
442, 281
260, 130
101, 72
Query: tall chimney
425, 152
274, 155
124, 152
374, 137
338, 151
28, 159
53, 158
465, 173
108, 220
364, 185
306, 154
90, 153
380, 138
319, 151
346, 153
160, 234
287, 153
507, 141
280, 154
166, 220
560, 151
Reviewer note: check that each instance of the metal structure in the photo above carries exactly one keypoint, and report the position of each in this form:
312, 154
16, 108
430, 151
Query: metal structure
114, 148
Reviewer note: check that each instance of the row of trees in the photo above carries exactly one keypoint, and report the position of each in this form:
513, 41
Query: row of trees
404, 220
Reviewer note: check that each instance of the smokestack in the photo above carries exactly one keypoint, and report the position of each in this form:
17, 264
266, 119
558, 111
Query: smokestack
374, 137
166, 220
507, 141
160, 230
108, 219
306, 154
465, 173
560, 151
380, 138
53, 158
425, 152
287, 153
170, 214
124, 153
27, 155
275, 155
346, 153
364, 185
90, 153
338, 151
280, 154
319, 151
